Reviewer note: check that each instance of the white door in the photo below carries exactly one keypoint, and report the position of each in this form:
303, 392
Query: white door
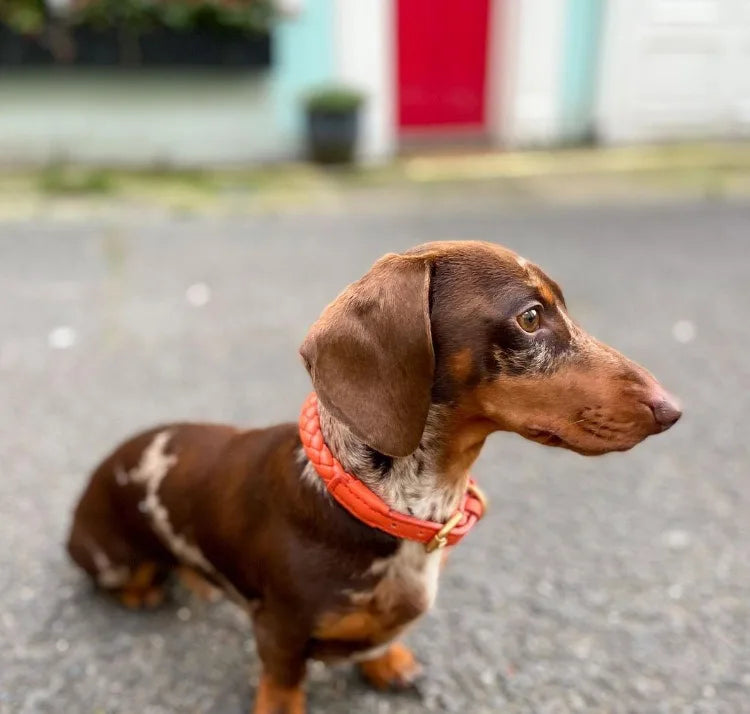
675, 69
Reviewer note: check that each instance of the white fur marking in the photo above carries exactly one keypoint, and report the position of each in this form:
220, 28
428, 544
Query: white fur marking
108, 575
150, 472
431, 575
121, 475
414, 569
373, 653
414, 564
410, 487
310, 474
412, 574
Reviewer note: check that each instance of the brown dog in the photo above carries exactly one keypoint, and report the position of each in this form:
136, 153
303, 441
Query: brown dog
414, 365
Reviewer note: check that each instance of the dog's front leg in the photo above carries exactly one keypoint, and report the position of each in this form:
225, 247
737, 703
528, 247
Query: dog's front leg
282, 651
275, 698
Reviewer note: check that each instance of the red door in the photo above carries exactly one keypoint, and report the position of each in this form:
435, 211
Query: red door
442, 63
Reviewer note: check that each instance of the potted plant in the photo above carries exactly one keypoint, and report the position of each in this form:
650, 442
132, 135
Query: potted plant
332, 115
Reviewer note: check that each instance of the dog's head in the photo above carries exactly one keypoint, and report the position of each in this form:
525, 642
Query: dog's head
477, 329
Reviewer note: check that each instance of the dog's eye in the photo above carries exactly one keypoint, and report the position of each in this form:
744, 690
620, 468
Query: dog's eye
529, 320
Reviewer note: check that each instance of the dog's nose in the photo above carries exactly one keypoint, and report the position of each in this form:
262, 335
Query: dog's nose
666, 411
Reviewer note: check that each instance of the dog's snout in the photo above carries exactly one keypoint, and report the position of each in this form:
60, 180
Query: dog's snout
666, 410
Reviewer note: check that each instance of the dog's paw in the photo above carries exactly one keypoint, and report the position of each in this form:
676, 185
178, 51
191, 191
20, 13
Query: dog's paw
396, 668
198, 585
142, 599
145, 590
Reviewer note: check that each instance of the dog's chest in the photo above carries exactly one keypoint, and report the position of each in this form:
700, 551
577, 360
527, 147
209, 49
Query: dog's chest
408, 577
404, 587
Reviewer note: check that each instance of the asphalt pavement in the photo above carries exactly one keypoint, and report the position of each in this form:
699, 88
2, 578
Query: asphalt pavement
614, 584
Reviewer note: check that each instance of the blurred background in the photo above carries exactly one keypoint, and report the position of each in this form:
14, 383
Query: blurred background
185, 184
197, 82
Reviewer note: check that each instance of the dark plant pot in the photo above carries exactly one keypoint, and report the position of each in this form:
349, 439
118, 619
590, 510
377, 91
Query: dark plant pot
332, 136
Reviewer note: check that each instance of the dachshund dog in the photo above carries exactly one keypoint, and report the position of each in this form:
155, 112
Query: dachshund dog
329, 533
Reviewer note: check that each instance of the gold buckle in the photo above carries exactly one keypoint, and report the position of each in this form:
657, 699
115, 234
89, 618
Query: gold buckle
440, 540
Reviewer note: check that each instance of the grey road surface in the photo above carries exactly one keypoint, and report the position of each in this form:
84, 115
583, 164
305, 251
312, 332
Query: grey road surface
617, 584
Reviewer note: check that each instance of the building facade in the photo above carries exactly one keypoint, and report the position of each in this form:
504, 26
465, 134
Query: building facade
487, 73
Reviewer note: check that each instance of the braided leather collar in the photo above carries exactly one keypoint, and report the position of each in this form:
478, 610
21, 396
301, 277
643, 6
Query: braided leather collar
368, 507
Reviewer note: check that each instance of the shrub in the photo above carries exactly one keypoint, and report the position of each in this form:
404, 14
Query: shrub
334, 100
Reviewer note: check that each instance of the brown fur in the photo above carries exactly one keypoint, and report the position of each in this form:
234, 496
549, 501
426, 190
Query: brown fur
415, 365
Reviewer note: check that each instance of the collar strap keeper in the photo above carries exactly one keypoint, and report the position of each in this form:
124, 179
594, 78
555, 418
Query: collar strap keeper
369, 508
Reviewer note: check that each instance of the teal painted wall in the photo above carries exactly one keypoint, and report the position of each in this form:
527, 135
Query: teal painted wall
304, 56
174, 118
583, 30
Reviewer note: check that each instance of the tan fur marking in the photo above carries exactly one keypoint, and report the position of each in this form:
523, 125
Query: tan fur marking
537, 280
140, 592
593, 412
351, 627
462, 448
395, 668
274, 699
460, 364
193, 581
406, 589
546, 293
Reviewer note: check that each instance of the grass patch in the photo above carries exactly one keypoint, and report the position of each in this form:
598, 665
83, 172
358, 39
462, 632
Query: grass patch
59, 179
165, 174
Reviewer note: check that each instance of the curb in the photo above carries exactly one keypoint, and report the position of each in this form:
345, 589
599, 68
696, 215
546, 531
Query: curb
615, 160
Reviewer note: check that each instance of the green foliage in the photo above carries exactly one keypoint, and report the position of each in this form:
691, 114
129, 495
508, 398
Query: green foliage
232, 16
101, 14
24, 16
57, 178
254, 16
180, 15
334, 99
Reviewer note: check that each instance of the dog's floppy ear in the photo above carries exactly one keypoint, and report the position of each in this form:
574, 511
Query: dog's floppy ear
371, 358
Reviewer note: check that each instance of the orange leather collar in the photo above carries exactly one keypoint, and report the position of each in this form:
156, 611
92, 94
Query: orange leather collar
369, 508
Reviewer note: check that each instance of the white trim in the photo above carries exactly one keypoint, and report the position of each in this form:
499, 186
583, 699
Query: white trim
365, 59
289, 9
502, 55
535, 35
